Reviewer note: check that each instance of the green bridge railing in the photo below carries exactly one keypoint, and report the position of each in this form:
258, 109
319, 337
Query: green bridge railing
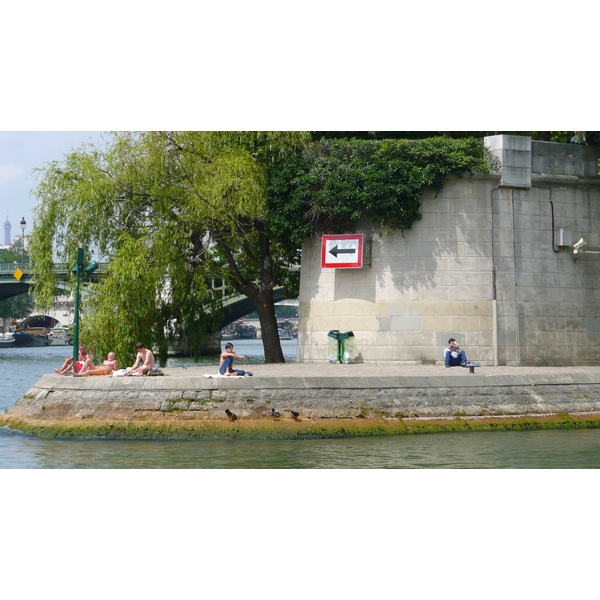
234, 306
57, 268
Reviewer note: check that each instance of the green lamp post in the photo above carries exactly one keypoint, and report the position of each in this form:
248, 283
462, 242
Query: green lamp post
79, 270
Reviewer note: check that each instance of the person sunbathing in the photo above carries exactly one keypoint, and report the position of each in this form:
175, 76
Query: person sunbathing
144, 361
67, 366
106, 368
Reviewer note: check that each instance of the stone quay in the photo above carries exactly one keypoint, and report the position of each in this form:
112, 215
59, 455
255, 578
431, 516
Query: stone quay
332, 400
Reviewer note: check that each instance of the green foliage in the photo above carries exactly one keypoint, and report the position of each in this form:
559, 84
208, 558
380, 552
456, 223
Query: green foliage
338, 182
124, 308
10, 255
16, 308
554, 136
168, 210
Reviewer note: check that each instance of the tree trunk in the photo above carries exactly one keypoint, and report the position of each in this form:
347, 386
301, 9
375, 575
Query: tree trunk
268, 326
261, 292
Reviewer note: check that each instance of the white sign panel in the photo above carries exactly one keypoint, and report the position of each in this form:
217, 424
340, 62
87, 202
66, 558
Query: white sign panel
342, 251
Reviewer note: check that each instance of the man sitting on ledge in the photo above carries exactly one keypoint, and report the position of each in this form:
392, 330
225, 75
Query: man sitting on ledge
145, 360
67, 367
453, 355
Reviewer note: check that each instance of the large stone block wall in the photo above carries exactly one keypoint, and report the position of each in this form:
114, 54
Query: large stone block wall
481, 266
548, 300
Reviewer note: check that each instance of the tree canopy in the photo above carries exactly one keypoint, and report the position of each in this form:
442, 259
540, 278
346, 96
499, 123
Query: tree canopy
168, 210
562, 137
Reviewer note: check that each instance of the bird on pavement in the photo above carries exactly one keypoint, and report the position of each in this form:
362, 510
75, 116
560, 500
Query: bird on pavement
295, 414
231, 415
275, 414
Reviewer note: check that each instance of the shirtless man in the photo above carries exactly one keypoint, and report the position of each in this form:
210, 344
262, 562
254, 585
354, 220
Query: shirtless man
106, 368
68, 364
144, 358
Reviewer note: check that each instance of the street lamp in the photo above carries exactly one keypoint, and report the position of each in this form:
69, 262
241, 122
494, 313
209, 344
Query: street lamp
23, 223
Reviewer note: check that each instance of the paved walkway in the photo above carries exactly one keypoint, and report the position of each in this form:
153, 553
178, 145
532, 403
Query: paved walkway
293, 370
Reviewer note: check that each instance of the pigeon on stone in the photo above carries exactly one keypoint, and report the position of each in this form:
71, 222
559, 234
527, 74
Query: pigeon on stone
230, 415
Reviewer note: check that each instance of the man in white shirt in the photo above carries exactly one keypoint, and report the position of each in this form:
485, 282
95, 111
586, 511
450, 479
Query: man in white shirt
453, 355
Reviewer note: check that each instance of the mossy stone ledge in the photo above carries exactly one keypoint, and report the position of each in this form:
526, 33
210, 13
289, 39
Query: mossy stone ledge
356, 400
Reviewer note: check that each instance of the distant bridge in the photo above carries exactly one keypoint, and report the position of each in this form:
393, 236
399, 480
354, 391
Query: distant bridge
235, 306
11, 286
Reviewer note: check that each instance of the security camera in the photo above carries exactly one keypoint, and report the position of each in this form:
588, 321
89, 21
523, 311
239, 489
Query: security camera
578, 246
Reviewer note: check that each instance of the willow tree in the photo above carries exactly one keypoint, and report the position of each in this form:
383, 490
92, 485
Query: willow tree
168, 211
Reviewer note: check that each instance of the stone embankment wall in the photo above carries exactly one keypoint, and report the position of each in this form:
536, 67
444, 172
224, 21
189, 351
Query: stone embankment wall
483, 265
391, 397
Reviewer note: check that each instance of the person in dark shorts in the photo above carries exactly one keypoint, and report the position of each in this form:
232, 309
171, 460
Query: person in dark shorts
226, 364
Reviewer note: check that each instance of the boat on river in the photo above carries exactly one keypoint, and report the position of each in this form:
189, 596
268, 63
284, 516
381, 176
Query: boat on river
245, 332
32, 338
61, 336
7, 340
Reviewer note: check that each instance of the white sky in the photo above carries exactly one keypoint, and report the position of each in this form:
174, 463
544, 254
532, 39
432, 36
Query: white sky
20, 153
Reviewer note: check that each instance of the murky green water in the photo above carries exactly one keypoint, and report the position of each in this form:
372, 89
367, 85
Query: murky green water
499, 450
20, 368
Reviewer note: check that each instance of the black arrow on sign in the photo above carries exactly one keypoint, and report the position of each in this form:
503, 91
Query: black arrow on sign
335, 251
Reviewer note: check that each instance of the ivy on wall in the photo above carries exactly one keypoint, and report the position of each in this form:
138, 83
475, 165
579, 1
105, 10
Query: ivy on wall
337, 182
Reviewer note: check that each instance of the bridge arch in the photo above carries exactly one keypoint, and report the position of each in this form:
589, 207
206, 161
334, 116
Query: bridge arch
235, 307
39, 321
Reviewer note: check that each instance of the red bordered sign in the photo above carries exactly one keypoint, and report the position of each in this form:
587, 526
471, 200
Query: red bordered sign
342, 251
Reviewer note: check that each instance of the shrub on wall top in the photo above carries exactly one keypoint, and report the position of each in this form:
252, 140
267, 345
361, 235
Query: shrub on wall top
337, 182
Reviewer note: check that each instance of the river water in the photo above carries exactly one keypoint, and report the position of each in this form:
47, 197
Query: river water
357, 518
22, 367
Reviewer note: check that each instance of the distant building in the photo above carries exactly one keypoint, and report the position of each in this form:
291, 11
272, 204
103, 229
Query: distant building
7, 232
